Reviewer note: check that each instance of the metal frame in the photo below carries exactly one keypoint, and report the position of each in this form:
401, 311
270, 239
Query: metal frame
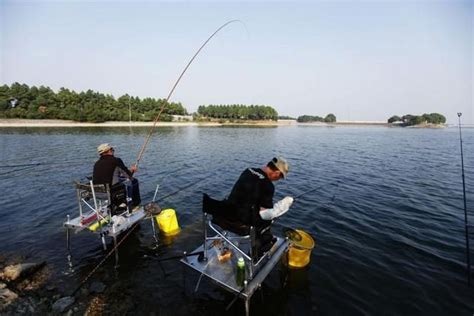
222, 273
101, 198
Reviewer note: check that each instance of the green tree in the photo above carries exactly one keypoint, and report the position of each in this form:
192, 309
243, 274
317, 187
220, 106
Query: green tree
330, 118
394, 118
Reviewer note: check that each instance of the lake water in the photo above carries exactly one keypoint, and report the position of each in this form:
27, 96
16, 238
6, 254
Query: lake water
388, 219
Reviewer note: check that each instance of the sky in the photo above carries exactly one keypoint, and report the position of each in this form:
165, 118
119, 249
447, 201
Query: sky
361, 60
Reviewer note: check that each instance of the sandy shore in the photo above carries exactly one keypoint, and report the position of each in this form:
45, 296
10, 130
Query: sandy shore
65, 123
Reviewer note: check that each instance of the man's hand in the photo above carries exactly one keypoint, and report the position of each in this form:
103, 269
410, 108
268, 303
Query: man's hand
288, 200
133, 168
279, 208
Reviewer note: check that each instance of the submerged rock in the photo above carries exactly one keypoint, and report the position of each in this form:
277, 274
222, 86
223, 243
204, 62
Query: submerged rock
97, 287
6, 297
13, 272
63, 303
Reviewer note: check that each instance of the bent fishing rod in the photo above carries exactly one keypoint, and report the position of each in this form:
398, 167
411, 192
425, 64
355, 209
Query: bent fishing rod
147, 138
466, 224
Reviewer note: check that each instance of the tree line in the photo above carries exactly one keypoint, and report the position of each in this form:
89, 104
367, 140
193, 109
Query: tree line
22, 101
409, 120
238, 111
330, 118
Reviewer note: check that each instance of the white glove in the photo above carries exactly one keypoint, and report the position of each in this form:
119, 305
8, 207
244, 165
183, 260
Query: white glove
279, 208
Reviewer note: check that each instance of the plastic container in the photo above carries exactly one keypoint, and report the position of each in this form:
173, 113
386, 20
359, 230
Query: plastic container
168, 222
299, 253
240, 275
99, 224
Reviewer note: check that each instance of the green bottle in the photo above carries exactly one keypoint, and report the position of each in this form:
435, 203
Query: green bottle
240, 278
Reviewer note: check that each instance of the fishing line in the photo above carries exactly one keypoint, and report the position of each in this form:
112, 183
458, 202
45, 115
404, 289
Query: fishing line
147, 139
16, 170
315, 189
23, 165
181, 189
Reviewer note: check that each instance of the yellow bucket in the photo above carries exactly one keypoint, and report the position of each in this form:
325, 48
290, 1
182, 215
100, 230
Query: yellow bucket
168, 222
299, 253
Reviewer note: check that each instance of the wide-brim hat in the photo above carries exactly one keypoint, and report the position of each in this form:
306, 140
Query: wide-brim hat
103, 148
282, 165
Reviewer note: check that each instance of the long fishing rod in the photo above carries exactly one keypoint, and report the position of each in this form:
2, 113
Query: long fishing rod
315, 189
468, 252
147, 139
22, 165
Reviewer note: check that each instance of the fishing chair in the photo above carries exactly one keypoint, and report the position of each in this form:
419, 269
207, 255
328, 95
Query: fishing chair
106, 200
239, 237
98, 193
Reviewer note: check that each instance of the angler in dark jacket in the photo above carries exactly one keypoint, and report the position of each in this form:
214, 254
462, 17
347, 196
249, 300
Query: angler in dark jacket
252, 199
110, 169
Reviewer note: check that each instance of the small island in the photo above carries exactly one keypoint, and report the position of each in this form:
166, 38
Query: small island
330, 118
432, 120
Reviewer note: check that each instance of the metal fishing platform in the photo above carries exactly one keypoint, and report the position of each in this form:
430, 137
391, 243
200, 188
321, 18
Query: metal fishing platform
223, 271
96, 216
224, 274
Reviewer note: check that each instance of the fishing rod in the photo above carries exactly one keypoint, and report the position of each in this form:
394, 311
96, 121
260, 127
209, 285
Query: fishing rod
200, 254
147, 139
468, 252
315, 189
23, 165
181, 189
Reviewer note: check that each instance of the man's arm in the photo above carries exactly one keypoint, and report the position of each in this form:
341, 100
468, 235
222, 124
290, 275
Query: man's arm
279, 208
122, 166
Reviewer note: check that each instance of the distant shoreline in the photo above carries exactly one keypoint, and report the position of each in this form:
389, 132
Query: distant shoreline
67, 123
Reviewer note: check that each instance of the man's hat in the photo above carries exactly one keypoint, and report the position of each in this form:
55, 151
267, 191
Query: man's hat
281, 164
102, 148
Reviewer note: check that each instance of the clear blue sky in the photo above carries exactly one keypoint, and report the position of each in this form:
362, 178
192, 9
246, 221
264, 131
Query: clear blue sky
361, 60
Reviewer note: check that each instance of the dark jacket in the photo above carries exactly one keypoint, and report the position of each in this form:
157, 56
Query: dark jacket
109, 169
252, 191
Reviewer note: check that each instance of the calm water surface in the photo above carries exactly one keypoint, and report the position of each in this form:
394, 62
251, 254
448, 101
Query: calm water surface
388, 218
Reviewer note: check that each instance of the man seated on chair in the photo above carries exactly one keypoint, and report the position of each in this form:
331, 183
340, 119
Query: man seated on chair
252, 199
112, 171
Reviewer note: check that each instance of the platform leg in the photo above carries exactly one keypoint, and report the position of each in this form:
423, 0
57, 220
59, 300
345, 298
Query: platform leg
104, 244
68, 244
116, 253
183, 273
154, 231
204, 222
247, 306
